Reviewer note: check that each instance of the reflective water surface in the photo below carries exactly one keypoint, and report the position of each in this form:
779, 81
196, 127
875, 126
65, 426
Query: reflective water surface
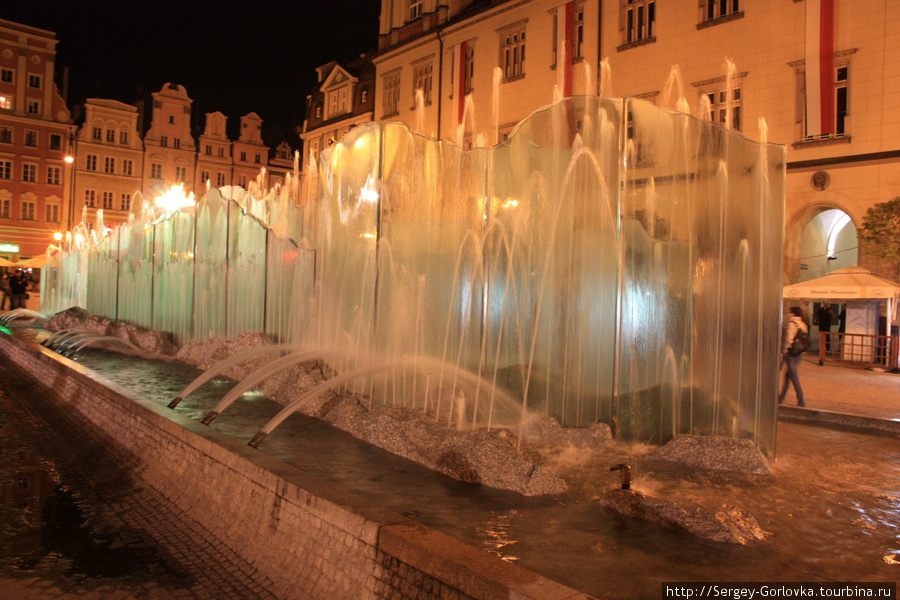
832, 507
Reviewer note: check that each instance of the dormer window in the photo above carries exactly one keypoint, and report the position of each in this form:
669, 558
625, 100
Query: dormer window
319, 110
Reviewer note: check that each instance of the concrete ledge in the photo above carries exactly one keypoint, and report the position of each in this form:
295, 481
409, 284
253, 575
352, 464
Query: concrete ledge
310, 538
825, 418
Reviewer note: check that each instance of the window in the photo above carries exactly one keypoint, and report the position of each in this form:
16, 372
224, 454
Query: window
512, 52
33, 107
107, 200
221, 152
208, 150
578, 34
319, 110
639, 19
171, 120
6, 135
257, 159
6, 75
831, 129
55, 141
127, 167
470, 66
720, 104
28, 207
391, 93
180, 174
243, 156
714, 9
415, 9
164, 141
90, 162
109, 165
5, 169
220, 179
96, 134
54, 175
156, 170
31, 138
111, 136
125, 202
242, 181
34, 81
51, 213
176, 143
364, 94
422, 80
29, 173
5, 205
90, 197
6, 102
204, 176
123, 137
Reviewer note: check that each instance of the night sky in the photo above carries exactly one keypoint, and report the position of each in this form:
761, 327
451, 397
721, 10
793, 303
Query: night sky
234, 57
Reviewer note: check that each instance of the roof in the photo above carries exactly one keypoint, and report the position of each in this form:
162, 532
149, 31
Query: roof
851, 283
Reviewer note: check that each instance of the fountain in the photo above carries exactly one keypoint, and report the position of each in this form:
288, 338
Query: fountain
607, 263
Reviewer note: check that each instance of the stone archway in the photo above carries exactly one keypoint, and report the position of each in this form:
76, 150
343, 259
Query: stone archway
819, 238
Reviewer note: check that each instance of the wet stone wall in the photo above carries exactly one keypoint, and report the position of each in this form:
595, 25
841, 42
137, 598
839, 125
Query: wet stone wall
309, 538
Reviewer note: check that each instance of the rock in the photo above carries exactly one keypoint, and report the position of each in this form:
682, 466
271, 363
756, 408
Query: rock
545, 430
147, 340
726, 524
713, 453
204, 355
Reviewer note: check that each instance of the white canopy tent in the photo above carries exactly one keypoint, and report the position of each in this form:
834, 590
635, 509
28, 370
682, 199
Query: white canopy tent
850, 284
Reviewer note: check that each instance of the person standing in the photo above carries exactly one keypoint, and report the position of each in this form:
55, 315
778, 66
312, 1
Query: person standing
824, 316
18, 287
792, 328
4, 288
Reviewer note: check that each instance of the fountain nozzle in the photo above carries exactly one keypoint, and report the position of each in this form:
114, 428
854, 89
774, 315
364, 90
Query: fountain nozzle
626, 474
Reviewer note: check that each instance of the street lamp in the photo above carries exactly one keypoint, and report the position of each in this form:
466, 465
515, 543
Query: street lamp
70, 160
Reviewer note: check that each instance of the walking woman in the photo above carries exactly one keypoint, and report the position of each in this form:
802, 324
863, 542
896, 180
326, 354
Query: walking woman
791, 357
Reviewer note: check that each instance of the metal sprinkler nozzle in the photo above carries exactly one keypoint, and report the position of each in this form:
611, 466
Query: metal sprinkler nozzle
626, 474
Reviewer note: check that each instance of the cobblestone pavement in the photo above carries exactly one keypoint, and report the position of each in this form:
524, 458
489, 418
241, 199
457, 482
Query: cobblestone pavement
124, 542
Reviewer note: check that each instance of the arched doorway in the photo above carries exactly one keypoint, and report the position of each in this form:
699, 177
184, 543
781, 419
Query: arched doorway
828, 242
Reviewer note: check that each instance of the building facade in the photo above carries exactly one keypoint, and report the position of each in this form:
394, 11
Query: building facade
108, 163
482, 67
250, 154
214, 153
35, 137
169, 149
343, 98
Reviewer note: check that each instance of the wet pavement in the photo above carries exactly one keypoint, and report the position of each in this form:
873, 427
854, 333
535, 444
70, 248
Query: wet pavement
77, 525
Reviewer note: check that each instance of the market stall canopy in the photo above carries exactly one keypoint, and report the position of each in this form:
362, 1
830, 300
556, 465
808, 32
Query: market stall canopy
6, 263
852, 283
33, 263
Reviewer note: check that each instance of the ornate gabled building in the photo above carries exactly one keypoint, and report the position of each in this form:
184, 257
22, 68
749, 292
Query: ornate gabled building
36, 134
108, 164
169, 150
250, 154
343, 98
214, 153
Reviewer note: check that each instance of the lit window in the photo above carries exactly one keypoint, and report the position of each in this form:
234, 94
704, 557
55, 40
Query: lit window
392, 93
640, 19
422, 80
28, 210
51, 213
512, 52
29, 173
6, 102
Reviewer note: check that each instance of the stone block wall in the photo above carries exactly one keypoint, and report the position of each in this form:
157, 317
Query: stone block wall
313, 540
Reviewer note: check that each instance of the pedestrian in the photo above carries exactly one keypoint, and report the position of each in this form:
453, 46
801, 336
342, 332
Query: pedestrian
18, 288
4, 288
795, 327
823, 317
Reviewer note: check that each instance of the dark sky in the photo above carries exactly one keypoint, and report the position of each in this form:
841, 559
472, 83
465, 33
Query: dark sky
234, 57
